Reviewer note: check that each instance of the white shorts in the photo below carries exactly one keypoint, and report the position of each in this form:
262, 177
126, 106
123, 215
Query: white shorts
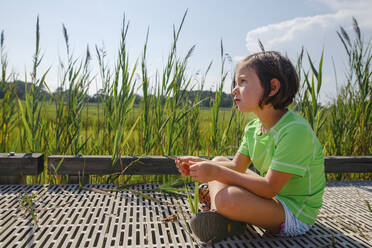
292, 226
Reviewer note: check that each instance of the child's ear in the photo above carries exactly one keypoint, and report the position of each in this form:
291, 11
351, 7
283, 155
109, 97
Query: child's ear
275, 86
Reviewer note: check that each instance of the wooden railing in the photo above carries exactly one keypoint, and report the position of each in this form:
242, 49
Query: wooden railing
13, 167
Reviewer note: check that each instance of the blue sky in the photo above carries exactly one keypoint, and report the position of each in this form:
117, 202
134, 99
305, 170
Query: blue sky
281, 25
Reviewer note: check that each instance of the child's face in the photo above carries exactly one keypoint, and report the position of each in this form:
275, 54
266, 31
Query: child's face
248, 90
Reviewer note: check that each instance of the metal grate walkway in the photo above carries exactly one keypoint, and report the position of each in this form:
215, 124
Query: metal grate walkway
71, 217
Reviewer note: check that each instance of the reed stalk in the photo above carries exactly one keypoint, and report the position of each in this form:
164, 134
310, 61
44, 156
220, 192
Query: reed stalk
103, 129
215, 140
147, 141
193, 143
30, 113
170, 104
118, 99
70, 101
310, 105
8, 102
351, 122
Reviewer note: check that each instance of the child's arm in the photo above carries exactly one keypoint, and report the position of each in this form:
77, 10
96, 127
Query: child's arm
239, 163
266, 187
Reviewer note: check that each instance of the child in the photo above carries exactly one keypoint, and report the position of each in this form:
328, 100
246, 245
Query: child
287, 195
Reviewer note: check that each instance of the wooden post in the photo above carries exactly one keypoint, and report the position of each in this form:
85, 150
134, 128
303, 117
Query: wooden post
14, 167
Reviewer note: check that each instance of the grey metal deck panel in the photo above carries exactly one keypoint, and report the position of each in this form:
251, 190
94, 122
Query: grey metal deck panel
72, 217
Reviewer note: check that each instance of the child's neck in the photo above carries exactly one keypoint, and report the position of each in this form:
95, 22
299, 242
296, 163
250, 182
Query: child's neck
269, 117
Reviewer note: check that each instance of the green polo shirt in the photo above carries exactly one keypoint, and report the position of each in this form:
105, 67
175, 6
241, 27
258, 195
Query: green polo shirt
290, 146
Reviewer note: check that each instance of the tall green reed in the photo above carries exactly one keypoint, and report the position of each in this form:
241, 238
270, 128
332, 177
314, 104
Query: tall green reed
176, 106
170, 111
173, 81
118, 100
8, 102
30, 114
192, 128
215, 140
351, 122
101, 144
71, 101
310, 105
147, 141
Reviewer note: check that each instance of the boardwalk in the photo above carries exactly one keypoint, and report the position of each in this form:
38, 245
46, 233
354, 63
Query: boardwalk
71, 217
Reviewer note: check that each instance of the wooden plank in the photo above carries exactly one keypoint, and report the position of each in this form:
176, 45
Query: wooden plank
101, 165
153, 165
340, 164
21, 164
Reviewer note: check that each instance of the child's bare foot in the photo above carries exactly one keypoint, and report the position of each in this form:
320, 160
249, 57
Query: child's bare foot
204, 197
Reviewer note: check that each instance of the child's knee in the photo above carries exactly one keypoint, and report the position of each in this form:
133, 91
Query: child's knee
227, 199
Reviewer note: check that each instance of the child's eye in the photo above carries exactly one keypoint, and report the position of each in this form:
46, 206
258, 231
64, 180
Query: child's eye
240, 82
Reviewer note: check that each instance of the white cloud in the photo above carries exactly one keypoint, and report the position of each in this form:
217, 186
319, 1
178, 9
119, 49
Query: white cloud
289, 36
315, 33
361, 9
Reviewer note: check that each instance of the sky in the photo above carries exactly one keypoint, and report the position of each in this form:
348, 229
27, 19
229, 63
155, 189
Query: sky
285, 26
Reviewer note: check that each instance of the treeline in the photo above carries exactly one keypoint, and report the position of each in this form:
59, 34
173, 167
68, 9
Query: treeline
19, 88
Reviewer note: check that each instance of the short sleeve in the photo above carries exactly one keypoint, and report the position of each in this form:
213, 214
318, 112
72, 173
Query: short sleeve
244, 146
247, 137
294, 150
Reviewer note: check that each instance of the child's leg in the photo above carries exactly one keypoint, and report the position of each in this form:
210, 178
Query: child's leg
239, 204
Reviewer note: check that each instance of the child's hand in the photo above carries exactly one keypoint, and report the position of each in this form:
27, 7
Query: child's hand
183, 164
183, 167
203, 171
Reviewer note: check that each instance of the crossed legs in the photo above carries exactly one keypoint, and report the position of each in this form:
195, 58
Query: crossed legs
239, 204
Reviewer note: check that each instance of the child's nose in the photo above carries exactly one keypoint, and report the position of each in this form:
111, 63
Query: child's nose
235, 91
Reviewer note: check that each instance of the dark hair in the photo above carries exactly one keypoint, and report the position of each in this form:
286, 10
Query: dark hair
269, 65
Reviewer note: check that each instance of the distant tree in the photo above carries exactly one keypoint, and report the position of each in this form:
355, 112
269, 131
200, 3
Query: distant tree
208, 96
189, 97
20, 89
96, 98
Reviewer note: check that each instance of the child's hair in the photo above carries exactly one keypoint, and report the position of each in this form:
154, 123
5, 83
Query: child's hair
269, 65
